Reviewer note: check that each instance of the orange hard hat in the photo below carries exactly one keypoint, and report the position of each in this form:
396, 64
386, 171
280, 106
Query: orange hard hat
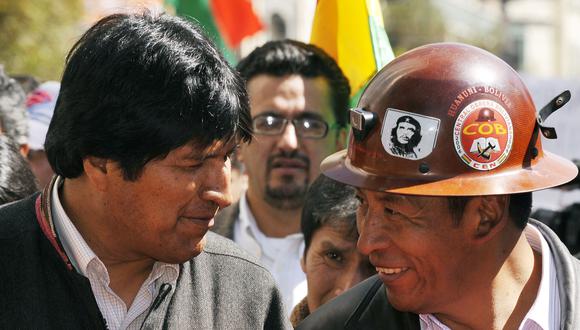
470, 128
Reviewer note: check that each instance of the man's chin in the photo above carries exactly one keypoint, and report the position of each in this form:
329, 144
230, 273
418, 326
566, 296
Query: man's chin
285, 197
187, 253
404, 302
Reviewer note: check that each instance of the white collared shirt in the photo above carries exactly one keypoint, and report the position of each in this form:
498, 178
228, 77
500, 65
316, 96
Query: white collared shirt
281, 256
545, 312
86, 262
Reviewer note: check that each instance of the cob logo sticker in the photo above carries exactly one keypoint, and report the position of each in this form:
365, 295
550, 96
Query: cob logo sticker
483, 135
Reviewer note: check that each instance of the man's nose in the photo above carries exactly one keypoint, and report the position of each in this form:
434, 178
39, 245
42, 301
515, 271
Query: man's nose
372, 234
288, 140
218, 186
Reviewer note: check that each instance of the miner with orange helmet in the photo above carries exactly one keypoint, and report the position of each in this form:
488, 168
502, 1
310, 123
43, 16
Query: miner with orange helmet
448, 229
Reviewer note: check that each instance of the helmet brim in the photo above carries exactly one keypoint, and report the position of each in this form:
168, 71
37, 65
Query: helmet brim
549, 171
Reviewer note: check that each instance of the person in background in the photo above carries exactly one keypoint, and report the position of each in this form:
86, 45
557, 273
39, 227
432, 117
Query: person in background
298, 102
40, 107
147, 117
331, 262
16, 179
13, 117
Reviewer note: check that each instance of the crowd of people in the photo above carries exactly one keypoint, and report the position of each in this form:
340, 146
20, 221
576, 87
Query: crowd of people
409, 211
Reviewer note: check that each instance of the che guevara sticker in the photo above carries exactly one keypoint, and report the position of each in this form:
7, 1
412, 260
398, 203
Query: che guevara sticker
409, 135
483, 135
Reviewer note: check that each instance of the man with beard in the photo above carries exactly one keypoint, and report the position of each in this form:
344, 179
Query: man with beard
405, 137
298, 102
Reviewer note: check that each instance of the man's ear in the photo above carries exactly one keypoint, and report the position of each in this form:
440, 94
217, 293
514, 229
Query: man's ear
491, 216
96, 171
240, 152
303, 264
24, 150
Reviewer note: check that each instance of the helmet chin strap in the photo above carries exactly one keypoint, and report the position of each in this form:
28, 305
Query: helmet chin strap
556, 103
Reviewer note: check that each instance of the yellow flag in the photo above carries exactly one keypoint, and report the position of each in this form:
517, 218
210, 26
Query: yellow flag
353, 33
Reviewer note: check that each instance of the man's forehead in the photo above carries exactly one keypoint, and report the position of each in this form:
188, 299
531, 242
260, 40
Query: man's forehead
196, 150
290, 93
399, 198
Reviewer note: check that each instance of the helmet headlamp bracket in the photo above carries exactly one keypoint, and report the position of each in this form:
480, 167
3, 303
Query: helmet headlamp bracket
362, 122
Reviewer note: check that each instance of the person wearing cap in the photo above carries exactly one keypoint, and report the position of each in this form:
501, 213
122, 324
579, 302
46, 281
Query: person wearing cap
40, 107
299, 106
449, 232
331, 261
147, 117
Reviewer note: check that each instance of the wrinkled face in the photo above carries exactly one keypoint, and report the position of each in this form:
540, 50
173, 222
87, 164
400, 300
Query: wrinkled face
405, 132
332, 265
165, 214
423, 257
40, 166
280, 167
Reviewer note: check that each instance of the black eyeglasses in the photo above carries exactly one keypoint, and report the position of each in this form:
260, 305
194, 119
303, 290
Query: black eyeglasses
309, 128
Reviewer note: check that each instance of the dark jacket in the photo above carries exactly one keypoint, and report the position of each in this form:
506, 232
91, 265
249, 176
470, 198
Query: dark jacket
221, 288
365, 306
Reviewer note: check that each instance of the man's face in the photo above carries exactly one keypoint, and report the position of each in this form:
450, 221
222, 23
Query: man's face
424, 259
405, 132
165, 214
333, 265
280, 167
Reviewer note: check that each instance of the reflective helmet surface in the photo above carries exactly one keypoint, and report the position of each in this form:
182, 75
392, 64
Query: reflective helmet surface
477, 131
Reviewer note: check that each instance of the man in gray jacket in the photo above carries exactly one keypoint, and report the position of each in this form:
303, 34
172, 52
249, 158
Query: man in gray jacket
448, 232
146, 120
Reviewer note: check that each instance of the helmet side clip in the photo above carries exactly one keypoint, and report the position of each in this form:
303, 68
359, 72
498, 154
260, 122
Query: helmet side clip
362, 122
555, 104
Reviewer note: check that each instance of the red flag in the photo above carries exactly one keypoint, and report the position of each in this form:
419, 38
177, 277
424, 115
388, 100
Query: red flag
235, 19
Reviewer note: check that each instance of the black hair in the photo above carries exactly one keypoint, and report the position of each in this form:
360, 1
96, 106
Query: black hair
290, 57
16, 179
520, 207
415, 139
329, 203
137, 86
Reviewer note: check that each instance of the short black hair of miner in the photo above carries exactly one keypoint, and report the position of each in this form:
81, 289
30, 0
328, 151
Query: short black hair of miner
16, 179
520, 207
137, 86
290, 57
329, 203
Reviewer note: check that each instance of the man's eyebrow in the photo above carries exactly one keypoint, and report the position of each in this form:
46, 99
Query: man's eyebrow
269, 113
196, 155
391, 198
309, 114
329, 245
394, 198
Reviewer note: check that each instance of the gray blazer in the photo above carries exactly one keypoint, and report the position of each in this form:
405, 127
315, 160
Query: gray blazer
221, 288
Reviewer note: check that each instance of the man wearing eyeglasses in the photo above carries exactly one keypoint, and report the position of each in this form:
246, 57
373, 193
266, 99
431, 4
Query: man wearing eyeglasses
299, 102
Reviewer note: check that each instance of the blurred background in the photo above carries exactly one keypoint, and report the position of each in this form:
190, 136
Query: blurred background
539, 38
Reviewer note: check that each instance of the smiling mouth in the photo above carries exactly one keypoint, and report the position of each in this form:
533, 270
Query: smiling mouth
391, 271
